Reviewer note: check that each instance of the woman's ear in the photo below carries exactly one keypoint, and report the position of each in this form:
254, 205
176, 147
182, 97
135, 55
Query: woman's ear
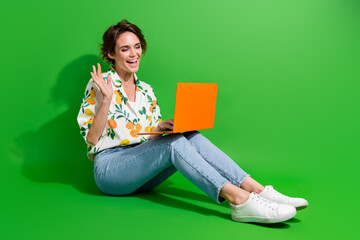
110, 56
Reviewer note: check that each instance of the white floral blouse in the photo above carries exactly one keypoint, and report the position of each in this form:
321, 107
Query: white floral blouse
124, 121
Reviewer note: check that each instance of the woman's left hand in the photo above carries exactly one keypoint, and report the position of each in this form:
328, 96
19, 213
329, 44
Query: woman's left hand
166, 125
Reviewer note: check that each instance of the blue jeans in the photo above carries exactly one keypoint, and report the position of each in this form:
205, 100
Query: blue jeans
124, 170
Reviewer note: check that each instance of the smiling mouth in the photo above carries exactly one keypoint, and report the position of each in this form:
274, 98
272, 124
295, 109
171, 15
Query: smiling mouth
132, 62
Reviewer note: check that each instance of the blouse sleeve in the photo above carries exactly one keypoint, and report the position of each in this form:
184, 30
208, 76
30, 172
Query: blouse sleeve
90, 105
156, 115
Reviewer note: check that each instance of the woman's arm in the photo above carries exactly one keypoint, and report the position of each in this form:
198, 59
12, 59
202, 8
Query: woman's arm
100, 119
99, 123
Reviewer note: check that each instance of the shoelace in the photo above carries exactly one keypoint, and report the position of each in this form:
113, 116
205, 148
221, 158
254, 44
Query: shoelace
265, 202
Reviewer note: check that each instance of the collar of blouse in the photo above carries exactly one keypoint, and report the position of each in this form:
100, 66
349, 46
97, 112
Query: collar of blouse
139, 90
116, 79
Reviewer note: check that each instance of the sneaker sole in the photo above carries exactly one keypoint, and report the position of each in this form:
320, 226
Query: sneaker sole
301, 208
263, 220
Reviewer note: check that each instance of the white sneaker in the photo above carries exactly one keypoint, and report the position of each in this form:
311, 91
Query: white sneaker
271, 194
260, 210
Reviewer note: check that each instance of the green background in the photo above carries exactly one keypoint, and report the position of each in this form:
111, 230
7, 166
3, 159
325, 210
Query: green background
287, 113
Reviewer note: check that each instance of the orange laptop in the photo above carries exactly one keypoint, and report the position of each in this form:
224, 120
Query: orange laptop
194, 107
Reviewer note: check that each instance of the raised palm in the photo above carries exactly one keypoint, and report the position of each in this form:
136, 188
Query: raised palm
104, 85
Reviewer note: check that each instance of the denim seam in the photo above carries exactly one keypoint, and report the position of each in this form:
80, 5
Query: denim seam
113, 169
218, 188
213, 164
219, 169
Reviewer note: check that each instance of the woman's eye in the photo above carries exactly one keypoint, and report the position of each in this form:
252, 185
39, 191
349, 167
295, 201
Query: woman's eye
123, 50
138, 47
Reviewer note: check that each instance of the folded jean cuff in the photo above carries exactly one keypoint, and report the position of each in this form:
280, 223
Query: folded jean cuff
220, 199
239, 182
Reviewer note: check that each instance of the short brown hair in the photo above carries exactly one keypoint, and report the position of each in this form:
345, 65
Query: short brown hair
113, 33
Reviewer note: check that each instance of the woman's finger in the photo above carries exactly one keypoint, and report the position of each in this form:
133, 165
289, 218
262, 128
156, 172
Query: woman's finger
170, 121
94, 69
92, 76
167, 125
96, 80
99, 71
109, 80
96, 77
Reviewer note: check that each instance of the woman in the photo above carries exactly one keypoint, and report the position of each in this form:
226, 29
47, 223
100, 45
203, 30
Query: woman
117, 106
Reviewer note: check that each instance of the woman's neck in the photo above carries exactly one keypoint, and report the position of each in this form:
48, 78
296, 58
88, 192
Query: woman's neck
126, 77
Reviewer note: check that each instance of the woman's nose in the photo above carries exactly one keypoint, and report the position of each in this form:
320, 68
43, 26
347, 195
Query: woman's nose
132, 52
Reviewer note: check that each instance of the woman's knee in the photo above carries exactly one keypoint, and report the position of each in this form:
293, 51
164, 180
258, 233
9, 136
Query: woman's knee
191, 134
178, 139
181, 139
173, 138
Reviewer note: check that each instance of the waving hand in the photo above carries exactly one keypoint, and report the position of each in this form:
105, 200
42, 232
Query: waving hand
105, 86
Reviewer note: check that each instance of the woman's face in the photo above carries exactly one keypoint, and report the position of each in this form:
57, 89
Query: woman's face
127, 52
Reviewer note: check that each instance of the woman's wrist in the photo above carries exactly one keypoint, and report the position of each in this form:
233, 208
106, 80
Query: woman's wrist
106, 101
156, 129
